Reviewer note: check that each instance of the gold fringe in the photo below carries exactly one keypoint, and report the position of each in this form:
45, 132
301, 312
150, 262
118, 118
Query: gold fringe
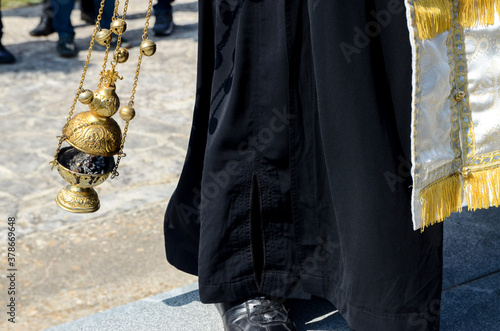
440, 199
482, 189
433, 17
477, 12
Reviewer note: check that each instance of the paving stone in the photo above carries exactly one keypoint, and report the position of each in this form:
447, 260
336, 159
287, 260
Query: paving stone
471, 246
473, 306
38, 91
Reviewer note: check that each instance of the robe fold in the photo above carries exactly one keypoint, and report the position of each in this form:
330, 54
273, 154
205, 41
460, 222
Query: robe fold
311, 117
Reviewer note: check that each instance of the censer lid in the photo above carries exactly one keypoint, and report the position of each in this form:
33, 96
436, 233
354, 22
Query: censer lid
93, 135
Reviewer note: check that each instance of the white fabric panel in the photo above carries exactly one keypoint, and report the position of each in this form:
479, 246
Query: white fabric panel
482, 46
433, 125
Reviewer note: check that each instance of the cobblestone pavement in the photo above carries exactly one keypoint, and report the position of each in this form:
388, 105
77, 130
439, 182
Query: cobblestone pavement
71, 265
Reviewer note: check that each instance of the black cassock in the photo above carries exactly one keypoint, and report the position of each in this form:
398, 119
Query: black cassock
296, 181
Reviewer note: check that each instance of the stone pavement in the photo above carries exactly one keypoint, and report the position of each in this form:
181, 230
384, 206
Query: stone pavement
470, 298
72, 265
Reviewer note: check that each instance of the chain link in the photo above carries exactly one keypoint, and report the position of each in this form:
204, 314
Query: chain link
108, 45
119, 41
134, 87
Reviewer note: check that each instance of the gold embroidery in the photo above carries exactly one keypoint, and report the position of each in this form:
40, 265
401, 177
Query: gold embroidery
475, 178
459, 70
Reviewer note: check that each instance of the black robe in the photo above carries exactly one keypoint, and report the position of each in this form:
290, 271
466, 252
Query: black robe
296, 181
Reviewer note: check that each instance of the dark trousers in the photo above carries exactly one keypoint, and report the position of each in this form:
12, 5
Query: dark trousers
62, 12
47, 8
1, 25
163, 7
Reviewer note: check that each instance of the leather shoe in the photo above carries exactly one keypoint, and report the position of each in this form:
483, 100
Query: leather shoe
6, 57
258, 314
66, 46
44, 28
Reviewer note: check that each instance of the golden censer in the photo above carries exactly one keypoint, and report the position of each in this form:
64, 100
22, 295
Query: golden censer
93, 136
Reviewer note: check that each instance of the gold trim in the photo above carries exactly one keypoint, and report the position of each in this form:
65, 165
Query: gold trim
440, 199
458, 62
433, 17
482, 188
492, 158
477, 12
475, 180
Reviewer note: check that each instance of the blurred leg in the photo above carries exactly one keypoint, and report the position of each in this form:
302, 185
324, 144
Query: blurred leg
87, 11
45, 27
163, 6
107, 14
62, 12
47, 9
1, 25
164, 24
5, 56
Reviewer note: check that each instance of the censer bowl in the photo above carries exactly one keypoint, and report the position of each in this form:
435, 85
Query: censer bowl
79, 196
93, 134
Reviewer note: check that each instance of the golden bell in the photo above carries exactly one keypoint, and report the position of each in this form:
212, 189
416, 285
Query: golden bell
104, 37
118, 26
148, 47
79, 196
127, 113
86, 97
121, 55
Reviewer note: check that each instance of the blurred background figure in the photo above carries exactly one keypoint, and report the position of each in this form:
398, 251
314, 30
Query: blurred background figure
61, 10
164, 24
46, 25
5, 56
88, 12
56, 14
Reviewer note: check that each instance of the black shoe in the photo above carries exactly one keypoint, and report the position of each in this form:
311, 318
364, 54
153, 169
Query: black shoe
164, 24
44, 28
66, 46
259, 314
6, 57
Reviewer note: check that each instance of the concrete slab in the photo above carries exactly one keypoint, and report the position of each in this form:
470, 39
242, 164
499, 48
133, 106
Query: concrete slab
471, 246
471, 295
181, 310
472, 306
177, 310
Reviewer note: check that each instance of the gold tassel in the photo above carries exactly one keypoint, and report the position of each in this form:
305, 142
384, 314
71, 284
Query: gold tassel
482, 189
432, 17
440, 199
477, 12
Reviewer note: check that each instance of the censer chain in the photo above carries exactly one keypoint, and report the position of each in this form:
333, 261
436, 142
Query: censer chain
132, 96
82, 80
